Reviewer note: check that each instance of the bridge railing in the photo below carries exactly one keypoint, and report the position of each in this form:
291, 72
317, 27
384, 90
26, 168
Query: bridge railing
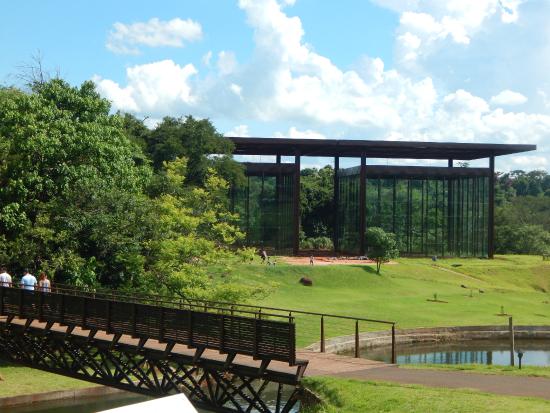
262, 312
264, 339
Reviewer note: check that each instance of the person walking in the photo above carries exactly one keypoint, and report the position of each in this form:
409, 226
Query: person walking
44, 284
5, 278
28, 282
311, 261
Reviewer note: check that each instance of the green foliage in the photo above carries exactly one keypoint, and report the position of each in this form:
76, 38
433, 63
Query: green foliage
381, 245
316, 243
67, 169
193, 139
522, 239
522, 213
316, 201
79, 200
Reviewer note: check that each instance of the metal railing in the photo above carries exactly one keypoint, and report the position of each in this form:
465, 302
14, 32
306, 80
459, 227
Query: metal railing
234, 308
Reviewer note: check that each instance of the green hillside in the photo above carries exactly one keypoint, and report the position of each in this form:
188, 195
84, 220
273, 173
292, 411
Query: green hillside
521, 284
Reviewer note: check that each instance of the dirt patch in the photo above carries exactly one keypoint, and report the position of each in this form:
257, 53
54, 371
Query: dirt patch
329, 261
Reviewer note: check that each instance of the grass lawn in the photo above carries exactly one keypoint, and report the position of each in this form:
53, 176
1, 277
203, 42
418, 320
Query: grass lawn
521, 284
485, 369
351, 396
17, 380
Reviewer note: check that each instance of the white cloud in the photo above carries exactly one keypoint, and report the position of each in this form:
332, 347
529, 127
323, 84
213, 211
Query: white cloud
227, 62
156, 88
239, 130
508, 98
126, 38
206, 58
535, 162
294, 133
427, 25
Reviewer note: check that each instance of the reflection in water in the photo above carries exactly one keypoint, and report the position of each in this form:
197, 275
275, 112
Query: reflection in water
536, 353
95, 404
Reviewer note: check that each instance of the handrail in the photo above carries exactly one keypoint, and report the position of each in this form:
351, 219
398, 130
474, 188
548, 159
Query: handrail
228, 333
234, 307
137, 299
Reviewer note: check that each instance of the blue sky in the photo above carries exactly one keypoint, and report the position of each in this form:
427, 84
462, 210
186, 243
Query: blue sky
456, 70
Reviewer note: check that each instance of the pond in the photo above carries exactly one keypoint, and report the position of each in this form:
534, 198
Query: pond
496, 352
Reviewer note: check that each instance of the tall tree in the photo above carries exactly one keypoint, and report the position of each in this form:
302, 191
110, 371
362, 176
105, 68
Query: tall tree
65, 162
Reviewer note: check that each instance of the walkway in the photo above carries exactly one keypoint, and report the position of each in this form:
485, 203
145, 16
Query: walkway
325, 364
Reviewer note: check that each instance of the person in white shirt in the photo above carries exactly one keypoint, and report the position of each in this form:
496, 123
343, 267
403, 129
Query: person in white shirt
5, 278
28, 282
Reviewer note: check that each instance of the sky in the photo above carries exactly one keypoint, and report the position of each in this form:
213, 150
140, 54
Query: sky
421, 70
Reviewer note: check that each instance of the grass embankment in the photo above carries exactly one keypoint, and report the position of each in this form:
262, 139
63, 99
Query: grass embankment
520, 284
351, 396
530, 371
17, 380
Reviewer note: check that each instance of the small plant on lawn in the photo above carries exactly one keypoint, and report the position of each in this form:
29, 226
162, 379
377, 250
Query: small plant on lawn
382, 246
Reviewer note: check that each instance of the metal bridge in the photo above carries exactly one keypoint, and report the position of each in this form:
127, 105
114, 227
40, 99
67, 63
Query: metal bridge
224, 359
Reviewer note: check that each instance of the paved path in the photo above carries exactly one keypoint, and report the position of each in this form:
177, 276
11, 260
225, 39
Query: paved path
362, 369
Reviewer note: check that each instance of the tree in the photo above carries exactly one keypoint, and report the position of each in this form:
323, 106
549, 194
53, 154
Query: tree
196, 140
316, 201
381, 246
66, 170
193, 257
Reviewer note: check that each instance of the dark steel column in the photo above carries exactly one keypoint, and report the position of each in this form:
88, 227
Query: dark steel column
450, 209
491, 229
296, 206
362, 204
279, 207
450, 163
336, 200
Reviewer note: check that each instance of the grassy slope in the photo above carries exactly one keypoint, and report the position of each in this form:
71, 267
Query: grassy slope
485, 369
400, 293
352, 396
17, 380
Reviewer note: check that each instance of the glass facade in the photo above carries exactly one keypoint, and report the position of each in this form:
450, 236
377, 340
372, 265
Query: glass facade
264, 205
444, 215
437, 211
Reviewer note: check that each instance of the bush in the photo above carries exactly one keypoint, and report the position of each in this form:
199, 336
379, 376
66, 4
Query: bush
316, 243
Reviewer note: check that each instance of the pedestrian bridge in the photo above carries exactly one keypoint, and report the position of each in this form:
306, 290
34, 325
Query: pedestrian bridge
223, 358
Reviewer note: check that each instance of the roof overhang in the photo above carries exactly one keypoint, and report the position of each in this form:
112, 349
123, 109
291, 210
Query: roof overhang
373, 149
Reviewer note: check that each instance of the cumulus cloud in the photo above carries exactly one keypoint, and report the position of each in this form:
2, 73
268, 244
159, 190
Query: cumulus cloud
425, 26
126, 38
158, 88
508, 98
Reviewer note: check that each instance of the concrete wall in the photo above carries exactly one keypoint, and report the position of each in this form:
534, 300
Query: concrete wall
435, 334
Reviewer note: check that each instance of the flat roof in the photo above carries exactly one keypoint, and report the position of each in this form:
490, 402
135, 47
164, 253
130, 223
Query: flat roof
349, 148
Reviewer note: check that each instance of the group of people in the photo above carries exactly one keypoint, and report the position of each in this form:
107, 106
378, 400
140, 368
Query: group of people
27, 282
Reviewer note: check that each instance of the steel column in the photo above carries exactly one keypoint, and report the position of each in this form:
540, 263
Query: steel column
362, 204
336, 200
491, 218
296, 206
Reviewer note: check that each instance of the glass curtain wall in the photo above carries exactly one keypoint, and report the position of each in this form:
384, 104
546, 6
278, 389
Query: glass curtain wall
431, 216
444, 216
264, 205
348, 210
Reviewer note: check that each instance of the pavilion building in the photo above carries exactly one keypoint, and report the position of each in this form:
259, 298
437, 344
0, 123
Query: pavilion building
442, 211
